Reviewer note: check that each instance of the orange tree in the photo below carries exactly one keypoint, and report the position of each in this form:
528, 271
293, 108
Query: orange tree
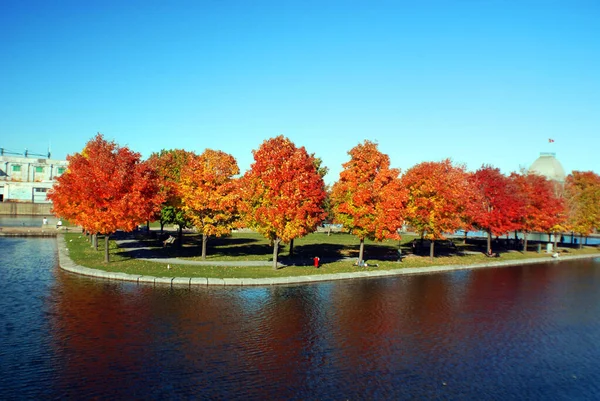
168, 165
208, 193
582, 191
436, 199
106, 188
282, 194
369, 199
543, 210
499, 205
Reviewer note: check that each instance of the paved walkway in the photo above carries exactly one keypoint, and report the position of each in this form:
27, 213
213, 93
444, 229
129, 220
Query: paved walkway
66, 263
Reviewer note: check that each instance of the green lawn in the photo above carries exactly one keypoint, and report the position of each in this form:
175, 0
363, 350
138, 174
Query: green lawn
338, 253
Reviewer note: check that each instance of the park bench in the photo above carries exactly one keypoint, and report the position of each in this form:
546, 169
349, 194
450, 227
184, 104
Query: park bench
169, 240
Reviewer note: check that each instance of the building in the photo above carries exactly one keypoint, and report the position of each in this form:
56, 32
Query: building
548, 166
26, 179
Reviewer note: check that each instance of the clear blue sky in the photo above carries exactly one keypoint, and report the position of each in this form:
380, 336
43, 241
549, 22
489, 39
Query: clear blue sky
476, 81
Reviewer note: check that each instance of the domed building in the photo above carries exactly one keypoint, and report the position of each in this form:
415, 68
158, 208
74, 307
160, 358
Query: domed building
548, 166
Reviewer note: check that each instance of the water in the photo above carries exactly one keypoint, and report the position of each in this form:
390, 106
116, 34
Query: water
509, 333
562, 239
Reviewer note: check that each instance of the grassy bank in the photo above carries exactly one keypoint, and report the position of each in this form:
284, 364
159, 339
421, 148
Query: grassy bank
337, 253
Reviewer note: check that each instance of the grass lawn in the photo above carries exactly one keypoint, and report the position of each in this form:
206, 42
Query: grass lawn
338, 253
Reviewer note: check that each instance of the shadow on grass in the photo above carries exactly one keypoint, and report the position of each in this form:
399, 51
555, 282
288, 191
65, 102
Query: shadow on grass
231, 247
304, 254
224, 241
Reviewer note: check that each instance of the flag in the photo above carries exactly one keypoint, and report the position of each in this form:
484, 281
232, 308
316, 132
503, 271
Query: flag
550, 140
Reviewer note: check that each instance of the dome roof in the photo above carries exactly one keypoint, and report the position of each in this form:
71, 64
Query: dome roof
548, 166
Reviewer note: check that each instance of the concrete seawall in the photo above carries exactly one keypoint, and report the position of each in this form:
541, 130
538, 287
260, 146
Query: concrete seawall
25, 209
66, 263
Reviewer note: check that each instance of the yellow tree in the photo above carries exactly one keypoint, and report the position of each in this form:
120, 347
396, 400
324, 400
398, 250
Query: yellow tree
369, 199
208, 193
582, 191
282, 194
168, 165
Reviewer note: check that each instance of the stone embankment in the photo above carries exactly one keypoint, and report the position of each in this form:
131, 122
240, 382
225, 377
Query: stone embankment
67, 264
49, 231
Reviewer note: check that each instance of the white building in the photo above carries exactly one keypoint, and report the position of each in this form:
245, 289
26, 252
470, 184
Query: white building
548, 166
28, 179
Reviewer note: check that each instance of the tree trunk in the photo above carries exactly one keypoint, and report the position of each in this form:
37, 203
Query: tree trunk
524, 241
361, 250
291, 252
106, 257
489, 242
516, 236
465, 238
329, 230
431, 245
204, 241
180, 236
275, 252
581, 241
162, 226
555, 242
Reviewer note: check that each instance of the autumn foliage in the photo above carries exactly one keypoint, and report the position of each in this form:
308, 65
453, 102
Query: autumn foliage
208, 193
499, 206
438, 193
169, 165
543, 210
282, 194
582, 191
106, 188
369, 199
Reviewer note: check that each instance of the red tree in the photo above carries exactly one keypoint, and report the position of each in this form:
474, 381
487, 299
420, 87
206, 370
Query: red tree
499, 207
282, 194
106, 188
369, 199
542, 209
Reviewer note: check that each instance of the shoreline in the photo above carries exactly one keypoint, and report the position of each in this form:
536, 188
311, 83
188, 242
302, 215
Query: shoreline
67, 264
33, 231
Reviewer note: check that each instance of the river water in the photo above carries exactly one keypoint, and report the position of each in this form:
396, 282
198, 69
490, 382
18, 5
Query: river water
527, 332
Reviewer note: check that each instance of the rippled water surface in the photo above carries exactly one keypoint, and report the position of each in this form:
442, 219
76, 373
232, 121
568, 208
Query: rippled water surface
511, 333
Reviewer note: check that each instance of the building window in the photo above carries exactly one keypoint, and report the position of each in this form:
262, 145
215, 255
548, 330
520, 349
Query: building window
61, 170
16, 168
39, 169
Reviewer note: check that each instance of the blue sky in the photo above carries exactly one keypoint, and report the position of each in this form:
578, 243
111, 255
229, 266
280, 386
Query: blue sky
475, 81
